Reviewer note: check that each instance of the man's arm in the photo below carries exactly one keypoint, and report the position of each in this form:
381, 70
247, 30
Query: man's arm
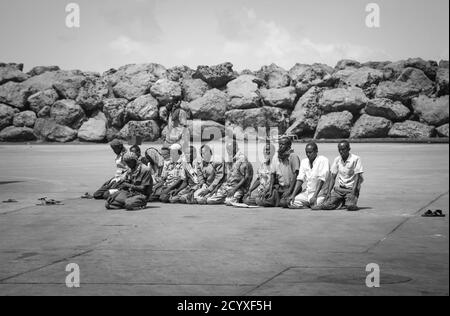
297, 190
356, 185
242, 182
220, 173
331, 185
313, 200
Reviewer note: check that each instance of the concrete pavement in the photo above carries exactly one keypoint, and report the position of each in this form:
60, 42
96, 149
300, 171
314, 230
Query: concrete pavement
202, 250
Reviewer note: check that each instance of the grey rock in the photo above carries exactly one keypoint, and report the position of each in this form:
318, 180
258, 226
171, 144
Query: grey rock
347, 63
411, 129
443, 130
166, 91
49, 130
39, 70
11, 73
442, 79
92, 93
115, 112
212, 106
143, 108
148, 130
42, 99
334, 125
205, 130
281, 98
371, 127
432, 111
6, 115
409, 84
193, 89
306, 114
275, 76
67, 112
14, 94
216, 76
93, 130
17, 134
243, 93
351, 99
392, 110
24, 119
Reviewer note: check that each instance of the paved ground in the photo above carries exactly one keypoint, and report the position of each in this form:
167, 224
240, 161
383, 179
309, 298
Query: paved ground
201, 250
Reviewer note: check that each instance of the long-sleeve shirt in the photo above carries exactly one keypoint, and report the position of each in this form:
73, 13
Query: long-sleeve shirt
210, 173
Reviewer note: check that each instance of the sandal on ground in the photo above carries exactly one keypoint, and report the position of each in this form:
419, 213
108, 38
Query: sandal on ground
10, 201
436, 213
87, 196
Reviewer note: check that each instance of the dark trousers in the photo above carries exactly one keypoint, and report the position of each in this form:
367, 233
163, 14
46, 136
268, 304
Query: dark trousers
126, 200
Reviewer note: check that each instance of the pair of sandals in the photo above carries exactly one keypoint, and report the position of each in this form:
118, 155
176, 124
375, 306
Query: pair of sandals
44, 202
436, 213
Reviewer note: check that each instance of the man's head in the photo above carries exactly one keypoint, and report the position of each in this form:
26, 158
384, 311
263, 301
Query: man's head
269, 152
285, 144
136, 149
344, 149
232, 147
206, 153
191, 154
165, 153
175, 152
131, 160
311, 151
117, 146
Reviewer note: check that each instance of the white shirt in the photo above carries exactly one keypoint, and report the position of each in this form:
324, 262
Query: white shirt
320, 171
347, 171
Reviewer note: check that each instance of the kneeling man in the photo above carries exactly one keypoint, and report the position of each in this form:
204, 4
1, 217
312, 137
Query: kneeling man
314, 172
135, 189
347, 177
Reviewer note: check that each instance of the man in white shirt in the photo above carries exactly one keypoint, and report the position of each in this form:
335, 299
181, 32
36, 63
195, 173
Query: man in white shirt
345, 185
314, 173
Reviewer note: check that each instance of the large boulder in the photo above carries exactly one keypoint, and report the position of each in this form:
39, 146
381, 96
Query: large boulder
376, 64
206, 130
93, 130
42, 99
49, 130
392, 110
347, 63
281, 97
243, 93
24, 119
306, 76
371, 127
364, 78
17, 134
148, 130
432, 111
115, 112
143, 108
179, 73
166, 91
216, 76
11, 73
429, 67
274, 76
14, 94
411, 129
212, 106
394, 69
350, 99
334, 125
66, 82
193, 89
306, 114
67, 112
263, 118
39, 70
6, 115
44, 112
442, 130
92, 93
13, 65
409, 84
442, 79
132, 81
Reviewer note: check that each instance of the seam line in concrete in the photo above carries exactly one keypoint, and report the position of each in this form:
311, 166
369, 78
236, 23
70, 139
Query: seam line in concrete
267, 281
47, 265
404, 222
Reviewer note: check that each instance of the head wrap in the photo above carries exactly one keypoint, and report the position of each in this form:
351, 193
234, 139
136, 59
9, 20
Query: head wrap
129, 156
175, 147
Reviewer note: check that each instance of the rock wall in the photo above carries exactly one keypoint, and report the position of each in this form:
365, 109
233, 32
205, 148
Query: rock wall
403, 99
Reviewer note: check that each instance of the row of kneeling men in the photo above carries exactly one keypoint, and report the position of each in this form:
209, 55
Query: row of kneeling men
282, 180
